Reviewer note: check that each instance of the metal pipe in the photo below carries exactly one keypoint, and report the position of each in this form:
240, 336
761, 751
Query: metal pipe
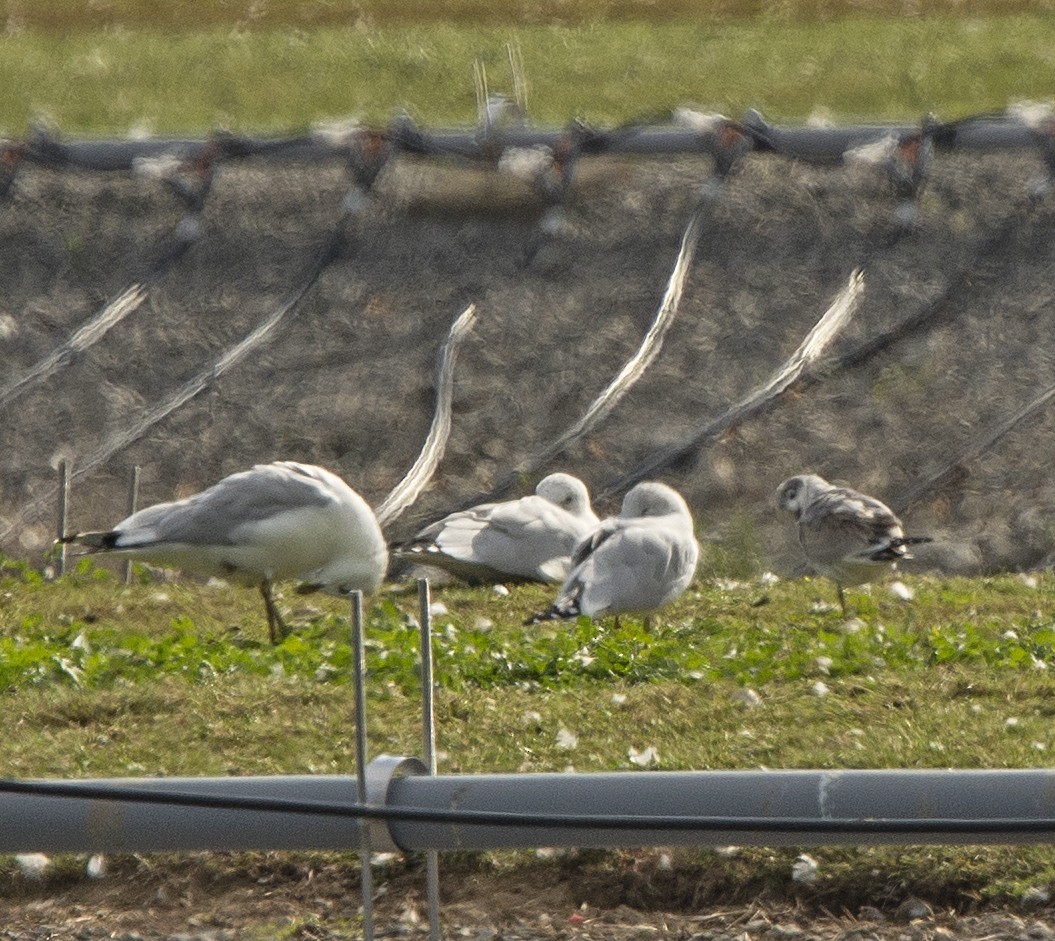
62, 523
133, 505
808, 143
774, 795
29, 823
778, 808
428, 742
366, 873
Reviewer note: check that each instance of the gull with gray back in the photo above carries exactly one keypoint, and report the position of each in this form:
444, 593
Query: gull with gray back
633, 563
272, 523
526, 540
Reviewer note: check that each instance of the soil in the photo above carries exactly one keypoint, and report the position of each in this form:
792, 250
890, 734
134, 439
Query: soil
347, 383
220, 897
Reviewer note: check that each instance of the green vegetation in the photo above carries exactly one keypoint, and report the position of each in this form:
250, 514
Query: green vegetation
62, 17
278, 79
158, 678
93, 673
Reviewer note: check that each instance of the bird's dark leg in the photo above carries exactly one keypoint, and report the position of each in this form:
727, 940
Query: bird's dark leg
842, 598
275, 625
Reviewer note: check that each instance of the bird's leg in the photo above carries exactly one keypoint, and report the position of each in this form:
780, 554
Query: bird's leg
648, 623
275, 625
842, 598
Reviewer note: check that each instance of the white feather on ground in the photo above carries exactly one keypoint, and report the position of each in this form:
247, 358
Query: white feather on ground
530, 539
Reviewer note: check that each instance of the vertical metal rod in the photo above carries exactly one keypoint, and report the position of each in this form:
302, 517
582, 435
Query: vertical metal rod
428, 721
64, 514
133, 502
366, 876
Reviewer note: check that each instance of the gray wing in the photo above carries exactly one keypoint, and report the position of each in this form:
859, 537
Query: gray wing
845, 514
492, 541
641, 567
842, 530
216, 516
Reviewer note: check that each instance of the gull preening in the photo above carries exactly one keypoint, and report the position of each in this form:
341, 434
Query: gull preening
272, 523
525, 540
847, 536
632, 563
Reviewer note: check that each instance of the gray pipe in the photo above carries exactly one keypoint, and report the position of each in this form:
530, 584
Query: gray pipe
807, 143
794, 801
29, 823
807, 795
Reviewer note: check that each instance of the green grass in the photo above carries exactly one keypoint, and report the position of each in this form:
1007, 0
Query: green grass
63, 17
93, 674
279, 80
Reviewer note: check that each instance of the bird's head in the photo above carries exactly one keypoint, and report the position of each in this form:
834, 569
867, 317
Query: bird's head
796, 493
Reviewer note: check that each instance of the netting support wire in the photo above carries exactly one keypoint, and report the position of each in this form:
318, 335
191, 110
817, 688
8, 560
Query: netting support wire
761, 398
428, 735
407, 809
415, 480
983, 443
133, 505
366, 877
62, 522
82, 339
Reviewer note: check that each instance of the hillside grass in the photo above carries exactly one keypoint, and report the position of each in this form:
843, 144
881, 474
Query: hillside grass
179, 679
62, 17
278, 79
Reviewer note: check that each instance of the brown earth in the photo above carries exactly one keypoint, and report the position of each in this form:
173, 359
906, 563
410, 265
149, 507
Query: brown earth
629, 896
348, 382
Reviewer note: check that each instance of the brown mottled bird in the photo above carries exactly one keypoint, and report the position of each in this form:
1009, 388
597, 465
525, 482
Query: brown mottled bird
847, 536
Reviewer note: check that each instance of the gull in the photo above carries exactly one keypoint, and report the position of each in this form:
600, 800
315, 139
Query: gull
526, 540
632, 563
848, 537
286, 520
271, 523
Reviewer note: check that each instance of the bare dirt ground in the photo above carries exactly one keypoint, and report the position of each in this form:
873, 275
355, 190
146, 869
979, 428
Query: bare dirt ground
348, 382
629, 897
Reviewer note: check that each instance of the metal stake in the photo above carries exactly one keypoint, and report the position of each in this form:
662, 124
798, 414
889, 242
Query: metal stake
64, 512
133, 500
428, 720
366, 878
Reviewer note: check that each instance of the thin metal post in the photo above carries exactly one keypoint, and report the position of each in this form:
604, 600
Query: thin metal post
64, 514
428, 720
133, 502
366, 877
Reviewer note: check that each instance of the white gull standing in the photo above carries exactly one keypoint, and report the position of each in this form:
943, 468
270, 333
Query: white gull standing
526, 540
260, 526
285, 520
632, 563
847, 536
